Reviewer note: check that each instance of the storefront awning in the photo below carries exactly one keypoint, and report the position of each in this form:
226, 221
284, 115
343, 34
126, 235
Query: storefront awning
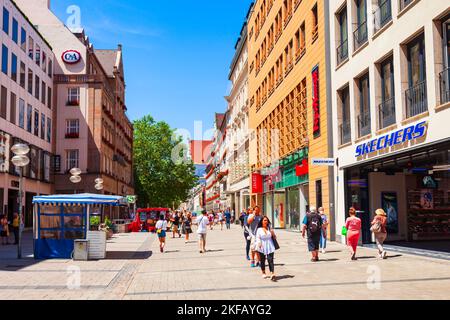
80, 199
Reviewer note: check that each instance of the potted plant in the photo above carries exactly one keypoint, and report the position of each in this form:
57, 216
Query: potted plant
109, 228
94, 223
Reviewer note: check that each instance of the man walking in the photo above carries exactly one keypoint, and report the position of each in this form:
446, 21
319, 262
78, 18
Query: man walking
253, 222
202, 223
228, 219
312, 224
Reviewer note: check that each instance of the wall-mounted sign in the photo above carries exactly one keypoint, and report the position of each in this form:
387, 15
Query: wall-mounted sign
316, 102
399, 137
303, 169
328, 162
257, 183
71, 56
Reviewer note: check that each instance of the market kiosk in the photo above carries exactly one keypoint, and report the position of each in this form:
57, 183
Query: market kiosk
59, 220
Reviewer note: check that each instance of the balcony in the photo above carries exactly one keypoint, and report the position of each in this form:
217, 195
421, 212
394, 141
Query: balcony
387, 113
315, 33
416, 99
288, 18
382, 16
297, 4
72, 135
73, 103
444, 84
345, 132
364, 124
289, 68
342, 52
300, 53
360, 36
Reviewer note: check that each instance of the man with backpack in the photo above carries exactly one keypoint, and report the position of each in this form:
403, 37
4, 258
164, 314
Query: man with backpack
312, 224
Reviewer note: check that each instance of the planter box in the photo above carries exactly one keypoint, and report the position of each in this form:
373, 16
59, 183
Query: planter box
97, 244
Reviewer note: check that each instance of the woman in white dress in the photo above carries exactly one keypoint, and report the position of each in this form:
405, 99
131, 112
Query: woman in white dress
266, 247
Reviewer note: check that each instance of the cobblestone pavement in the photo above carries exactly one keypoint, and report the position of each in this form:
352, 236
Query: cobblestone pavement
135, 269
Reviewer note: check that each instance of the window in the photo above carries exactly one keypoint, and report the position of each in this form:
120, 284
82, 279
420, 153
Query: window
404, 4
44, 62
345, 128
387, 107
43, 126
72, 159
38, 55
364, 106
5, 20
72, 126
36, 122
31, 48
30, 81
29, 118
49, 130
315, 26
22, 74
383, 14
37, 83
22, 113
342, 50
319, 197
416, 95
3, 102
15, 31
444, 76
5, 59
50, 68
49, 97
73, 98
44, 92
360, 35
13, 67
23, 40
12, 110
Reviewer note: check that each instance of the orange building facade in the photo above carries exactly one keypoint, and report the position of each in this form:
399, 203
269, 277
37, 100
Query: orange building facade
288, 81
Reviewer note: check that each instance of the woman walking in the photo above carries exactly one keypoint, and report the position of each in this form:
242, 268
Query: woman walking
247, 235
186, 228
161, 228
324, 234
266, 247
353, 225
380, 232
4, 230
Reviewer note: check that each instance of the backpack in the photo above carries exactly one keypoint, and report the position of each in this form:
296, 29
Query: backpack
315, 223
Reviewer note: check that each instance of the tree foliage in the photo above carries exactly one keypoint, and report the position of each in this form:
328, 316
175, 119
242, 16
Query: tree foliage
159, 181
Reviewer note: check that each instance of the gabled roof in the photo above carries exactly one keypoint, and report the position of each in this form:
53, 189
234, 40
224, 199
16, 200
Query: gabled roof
110, 60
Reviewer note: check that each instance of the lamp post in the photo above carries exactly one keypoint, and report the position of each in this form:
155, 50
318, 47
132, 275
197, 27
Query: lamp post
20, 160
75, 176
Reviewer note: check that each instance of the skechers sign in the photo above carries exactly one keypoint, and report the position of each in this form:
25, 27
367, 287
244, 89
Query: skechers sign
71, 56
396, 138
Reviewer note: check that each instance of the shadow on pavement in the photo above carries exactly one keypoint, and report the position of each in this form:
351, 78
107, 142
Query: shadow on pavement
219, 250
284, 277
128, 255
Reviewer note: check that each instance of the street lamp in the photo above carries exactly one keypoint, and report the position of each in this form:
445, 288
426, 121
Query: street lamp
75, 178
20, 160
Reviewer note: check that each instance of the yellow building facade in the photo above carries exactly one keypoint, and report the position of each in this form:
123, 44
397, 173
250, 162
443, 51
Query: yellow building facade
288, 109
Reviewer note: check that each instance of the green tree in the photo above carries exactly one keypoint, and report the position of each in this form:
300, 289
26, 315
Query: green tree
160, 181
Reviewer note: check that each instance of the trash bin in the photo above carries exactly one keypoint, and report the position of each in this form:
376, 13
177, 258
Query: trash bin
81, 250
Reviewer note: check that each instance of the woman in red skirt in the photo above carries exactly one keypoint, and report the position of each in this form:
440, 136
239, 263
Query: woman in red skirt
353, 225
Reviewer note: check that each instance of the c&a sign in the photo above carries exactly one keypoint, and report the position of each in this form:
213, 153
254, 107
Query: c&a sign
316, 101
71, 56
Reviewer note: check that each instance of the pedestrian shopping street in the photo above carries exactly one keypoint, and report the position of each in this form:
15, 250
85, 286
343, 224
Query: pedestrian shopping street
135, 269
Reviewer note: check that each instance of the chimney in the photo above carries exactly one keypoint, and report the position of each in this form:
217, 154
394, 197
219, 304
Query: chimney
44, 3
119, 47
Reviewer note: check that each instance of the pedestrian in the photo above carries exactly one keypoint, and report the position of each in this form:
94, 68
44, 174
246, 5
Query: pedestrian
175, 223
353, 225
180, 220
220, 215
312, 225
380, 232
211, 220
247, 236
253, 221
266, 247
4, 230
187, 229
242, 217
324, 233
202, 223
228, 219
161, 228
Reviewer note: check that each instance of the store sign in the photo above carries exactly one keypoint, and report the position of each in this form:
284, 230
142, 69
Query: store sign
131, 199
71, 56
316, 102
257, 183
396, 138
303, 169
328, 162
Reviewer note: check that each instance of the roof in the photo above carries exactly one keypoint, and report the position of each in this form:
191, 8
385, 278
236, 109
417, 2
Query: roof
82, 198
108, 60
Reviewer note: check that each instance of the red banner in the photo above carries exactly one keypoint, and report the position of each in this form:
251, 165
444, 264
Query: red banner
316, 102
257, 183
303, 169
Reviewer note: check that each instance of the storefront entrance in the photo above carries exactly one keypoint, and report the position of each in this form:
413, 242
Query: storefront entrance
413, 189
297, 206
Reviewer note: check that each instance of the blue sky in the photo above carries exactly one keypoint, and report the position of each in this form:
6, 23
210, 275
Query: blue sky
176, 53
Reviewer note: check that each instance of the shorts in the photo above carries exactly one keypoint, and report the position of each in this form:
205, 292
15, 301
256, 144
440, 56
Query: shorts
162, 234
314, 242
253, 245
175, 228
202, 236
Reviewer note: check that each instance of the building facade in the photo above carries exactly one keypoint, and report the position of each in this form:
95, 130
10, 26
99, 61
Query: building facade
391, 105
238, 181
93, 132
289, 109
27, 112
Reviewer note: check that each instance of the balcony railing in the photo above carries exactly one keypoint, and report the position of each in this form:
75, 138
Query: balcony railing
387, 113
73, 103
345, 132
364, 124
444, 81
382, 15
416, 99
72, 135
342, 52
360, 35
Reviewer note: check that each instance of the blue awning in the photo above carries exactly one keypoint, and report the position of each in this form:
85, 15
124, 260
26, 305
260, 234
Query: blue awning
83, 198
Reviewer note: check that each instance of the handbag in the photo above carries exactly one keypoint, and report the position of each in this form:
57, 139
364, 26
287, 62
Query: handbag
344, 231
376, 228
275, 242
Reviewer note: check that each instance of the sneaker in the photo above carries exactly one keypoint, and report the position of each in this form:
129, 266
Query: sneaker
384, 254
161, 249
323, 251
252, 265
265, 276
248, 258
